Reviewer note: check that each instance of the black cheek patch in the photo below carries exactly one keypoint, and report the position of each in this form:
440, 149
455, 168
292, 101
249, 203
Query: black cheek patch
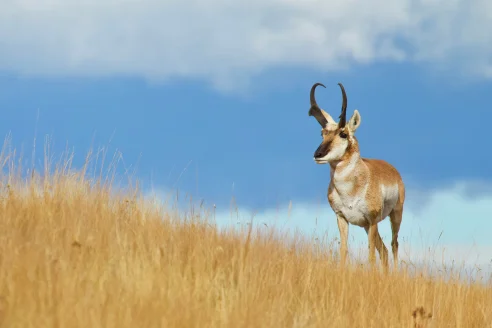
325, 148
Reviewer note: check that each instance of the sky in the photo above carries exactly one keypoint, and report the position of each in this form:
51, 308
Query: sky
211, 98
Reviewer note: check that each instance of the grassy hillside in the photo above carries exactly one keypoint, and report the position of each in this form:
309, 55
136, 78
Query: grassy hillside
73, 253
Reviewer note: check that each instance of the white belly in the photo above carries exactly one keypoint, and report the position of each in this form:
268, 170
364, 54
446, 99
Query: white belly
355, 208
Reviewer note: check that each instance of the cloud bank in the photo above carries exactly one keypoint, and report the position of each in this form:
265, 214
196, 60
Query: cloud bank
449, 227
228, 42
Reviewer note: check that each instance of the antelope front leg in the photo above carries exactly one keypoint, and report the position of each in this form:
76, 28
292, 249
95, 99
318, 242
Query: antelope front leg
372, 233
343, 228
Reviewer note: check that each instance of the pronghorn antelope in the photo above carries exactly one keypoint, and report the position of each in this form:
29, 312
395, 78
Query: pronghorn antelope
362, 191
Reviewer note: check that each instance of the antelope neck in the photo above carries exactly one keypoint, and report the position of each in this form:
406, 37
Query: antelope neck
344, 169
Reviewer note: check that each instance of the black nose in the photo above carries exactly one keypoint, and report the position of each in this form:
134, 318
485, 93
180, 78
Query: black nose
317, 154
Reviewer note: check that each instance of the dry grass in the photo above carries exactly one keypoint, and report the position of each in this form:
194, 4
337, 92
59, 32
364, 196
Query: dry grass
74, 254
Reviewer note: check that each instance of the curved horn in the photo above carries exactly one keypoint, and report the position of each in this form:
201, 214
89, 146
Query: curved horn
343, 114
315, 110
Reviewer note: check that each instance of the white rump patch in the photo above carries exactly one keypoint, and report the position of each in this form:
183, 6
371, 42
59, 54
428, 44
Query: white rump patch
390, 197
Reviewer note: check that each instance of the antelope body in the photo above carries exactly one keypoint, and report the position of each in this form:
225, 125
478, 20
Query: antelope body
362, 191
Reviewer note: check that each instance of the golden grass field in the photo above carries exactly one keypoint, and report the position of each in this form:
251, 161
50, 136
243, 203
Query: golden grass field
75, 253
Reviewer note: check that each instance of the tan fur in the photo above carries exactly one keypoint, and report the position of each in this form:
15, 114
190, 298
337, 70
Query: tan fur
361, 191
371, 173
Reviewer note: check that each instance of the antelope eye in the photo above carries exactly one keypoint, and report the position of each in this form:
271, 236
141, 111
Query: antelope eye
343, 135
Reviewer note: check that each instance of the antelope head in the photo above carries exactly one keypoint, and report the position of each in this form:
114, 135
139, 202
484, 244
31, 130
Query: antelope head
339, 140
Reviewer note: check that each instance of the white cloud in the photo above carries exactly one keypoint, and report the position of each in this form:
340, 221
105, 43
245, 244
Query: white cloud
450, 226
221, 41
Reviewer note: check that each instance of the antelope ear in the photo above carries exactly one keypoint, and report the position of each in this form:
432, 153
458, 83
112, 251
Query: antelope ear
328, 117
324, 119
354, 122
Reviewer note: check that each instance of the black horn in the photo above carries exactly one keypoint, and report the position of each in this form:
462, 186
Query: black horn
315, 110
343, 114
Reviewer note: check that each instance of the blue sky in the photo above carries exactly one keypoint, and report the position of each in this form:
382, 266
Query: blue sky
213, 99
